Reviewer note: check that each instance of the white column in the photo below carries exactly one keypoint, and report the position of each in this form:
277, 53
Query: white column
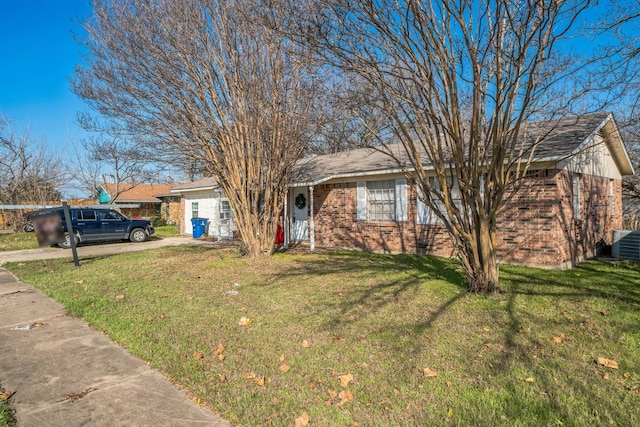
285, 221
312, 227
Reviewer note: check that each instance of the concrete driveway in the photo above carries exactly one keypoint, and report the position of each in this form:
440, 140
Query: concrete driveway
96, 249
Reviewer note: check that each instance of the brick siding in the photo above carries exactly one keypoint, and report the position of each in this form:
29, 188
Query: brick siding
535, 228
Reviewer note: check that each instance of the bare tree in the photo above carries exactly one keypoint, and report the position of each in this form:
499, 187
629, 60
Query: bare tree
347, 117
114, 157
207, 82
459, 82
29, 174
623, 69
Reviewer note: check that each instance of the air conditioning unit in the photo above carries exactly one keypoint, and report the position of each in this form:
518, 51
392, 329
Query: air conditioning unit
626, 244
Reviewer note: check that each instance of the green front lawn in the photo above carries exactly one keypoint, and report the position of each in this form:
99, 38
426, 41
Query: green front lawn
166, 231
17, 241
410, 346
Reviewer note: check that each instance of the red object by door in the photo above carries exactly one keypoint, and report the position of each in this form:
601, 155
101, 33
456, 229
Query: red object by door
279, 235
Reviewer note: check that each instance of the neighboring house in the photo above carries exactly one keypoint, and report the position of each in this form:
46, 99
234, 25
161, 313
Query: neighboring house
205, 199
142, 195
566, 210
170, 208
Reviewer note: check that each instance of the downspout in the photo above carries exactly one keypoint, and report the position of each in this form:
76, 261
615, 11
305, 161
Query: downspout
312, 227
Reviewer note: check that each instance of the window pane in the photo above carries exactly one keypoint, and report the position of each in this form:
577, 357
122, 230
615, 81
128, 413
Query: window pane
87, 215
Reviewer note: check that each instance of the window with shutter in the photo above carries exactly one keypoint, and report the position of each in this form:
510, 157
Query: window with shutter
381, 201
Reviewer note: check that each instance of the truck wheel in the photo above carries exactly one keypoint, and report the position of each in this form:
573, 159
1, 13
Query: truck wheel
67, 242
138, 235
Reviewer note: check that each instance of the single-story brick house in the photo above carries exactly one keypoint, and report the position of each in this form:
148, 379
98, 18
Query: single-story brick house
205, 199
143, 195
569, 205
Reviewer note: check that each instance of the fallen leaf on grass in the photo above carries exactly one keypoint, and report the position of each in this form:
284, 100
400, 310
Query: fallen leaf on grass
450, 413
530, 379
260, 381
302, 420
606, 376
245, 321
78, 282
197, 355
20, 264
306, 344
557, 340
345, 380
221, 357
6, 395
522, 330
486, 329
608, 363
281, 358
37, 324
284, 367
223, 378
449, 384
250, 375
396, 391
218, 349
345, 396
428, 373
120, 296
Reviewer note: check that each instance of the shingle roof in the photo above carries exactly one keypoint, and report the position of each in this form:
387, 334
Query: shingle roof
560, 138
140, 193
202, 184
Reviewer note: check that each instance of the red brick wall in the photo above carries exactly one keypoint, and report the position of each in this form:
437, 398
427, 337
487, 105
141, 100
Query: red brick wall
335, 210
536, 227
580, 238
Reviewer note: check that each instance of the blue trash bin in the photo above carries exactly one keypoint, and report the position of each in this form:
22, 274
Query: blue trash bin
199, 226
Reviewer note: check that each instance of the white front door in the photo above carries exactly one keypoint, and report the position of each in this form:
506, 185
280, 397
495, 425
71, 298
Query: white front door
299, 214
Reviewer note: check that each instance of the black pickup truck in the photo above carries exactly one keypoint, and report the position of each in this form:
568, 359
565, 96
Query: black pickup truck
97, 225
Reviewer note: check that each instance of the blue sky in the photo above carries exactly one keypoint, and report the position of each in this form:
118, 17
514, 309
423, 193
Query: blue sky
38, 55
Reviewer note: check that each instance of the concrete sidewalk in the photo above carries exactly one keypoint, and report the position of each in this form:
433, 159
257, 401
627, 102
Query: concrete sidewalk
66, 374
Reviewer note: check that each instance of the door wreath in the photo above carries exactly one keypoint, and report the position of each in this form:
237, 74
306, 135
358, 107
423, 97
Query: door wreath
301, 201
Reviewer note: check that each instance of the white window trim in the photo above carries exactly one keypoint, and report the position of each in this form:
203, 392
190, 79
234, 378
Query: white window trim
390, 201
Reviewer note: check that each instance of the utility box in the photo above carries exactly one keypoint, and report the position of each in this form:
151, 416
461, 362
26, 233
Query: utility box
626, 244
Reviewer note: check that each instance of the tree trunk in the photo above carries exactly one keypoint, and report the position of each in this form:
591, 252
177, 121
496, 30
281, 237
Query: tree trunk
256, 236
482, 261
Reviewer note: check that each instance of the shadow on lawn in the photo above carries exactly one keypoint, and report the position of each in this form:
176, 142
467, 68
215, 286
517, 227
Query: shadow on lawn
619, 283
520, 348
389, 288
